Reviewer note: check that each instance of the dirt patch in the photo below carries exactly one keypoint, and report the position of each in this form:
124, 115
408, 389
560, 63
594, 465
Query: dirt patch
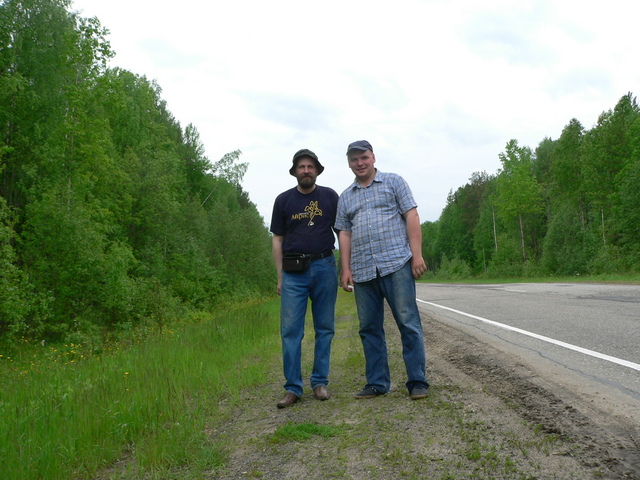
486, 417
603, 440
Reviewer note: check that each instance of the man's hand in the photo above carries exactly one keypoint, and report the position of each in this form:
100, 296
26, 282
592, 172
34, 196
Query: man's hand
418, 267
346, 281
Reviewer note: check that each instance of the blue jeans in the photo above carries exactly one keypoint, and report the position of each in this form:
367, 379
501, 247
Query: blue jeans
319, 283
399, 289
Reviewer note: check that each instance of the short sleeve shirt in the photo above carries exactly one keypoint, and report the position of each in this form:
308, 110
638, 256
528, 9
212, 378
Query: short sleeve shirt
374, 216
305, 220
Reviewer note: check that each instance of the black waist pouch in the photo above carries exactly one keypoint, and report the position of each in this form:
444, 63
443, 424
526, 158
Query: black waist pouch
295, 262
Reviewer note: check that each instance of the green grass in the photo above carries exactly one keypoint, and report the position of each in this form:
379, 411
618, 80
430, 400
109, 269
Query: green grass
146, 408
292, 432
66, 412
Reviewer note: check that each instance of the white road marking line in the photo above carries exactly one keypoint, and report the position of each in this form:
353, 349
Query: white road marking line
559, 343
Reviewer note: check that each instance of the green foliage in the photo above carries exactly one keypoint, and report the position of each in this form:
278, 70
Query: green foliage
228, 169
627, 212
518, 191
110, 212
15, 301
569, 208
518, 194
611, 259
608, 149
568, 248
90, 278
507, 260
485, 231
566, 180
455, 229
455, 269
429, 246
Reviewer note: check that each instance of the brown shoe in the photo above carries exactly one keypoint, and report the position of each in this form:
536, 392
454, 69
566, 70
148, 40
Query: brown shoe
288, 400
320, 392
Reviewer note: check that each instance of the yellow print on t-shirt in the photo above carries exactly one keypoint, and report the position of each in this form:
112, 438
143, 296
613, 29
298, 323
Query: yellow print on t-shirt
311, 211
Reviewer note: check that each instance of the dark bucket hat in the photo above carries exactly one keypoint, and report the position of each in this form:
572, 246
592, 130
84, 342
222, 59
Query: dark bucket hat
305, 152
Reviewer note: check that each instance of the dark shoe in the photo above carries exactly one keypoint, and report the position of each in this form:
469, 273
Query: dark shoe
369, 392
320, 392
288, 400
419, 392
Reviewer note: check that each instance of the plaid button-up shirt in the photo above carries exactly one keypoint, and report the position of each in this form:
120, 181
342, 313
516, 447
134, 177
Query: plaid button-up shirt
374, 216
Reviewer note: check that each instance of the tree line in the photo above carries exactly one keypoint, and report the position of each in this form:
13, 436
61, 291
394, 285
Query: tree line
569, 207
110, 213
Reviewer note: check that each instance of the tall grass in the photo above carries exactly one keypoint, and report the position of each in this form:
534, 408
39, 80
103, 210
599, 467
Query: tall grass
65, 413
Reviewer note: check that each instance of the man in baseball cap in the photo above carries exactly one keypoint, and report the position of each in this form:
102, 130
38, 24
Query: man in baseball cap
361, 145
381, 256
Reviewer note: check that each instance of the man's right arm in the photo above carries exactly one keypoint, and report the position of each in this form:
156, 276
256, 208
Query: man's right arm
276, 250
346, 279
414, 232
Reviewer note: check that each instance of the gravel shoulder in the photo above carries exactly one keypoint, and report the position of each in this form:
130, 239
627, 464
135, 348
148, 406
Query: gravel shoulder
487, 416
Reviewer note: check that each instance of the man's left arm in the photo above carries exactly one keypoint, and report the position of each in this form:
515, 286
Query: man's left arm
276, 249
414, 232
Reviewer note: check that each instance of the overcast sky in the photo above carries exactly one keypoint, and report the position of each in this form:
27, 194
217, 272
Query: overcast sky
437, 86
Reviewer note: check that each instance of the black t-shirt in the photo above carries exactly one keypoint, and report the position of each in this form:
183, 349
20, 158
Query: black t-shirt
305, 220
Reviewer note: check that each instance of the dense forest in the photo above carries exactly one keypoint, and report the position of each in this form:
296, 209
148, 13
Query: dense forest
110, 213
569, 207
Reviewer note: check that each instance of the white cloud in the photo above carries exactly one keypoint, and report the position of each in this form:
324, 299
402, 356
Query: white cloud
437, 86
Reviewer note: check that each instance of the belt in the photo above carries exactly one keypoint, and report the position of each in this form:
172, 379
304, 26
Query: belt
318, 256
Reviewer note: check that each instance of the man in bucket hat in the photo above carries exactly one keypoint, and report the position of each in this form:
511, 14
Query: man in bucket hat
303, 243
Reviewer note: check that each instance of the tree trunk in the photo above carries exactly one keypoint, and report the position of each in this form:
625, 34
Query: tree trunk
524, 250
495, 235
604, 239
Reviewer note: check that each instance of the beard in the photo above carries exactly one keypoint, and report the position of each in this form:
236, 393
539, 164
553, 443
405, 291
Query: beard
306, 182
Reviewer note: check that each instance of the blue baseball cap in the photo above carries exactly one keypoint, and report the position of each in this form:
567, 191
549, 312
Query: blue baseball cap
361, 145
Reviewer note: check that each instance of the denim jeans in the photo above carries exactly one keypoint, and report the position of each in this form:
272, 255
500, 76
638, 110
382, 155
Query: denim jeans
399, 289
319, 283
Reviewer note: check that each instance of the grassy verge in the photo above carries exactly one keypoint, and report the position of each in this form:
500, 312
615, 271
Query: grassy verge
458, 432
68, 413
199, 400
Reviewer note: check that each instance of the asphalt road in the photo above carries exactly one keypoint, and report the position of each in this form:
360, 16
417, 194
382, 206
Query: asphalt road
585, 336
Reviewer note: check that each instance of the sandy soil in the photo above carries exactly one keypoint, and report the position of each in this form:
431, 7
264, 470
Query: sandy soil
488, 416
